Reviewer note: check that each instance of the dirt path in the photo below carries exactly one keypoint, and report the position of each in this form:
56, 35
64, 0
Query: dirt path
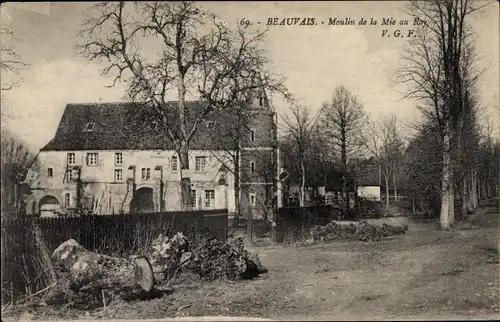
425, 274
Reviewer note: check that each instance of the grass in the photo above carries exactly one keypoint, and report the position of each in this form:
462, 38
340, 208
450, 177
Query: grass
424, 274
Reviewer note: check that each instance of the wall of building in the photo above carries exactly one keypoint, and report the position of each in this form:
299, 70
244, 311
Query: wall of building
369, 192
101, 191
261, 153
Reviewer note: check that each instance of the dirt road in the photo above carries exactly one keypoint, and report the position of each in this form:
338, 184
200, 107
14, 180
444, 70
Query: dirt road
425, 274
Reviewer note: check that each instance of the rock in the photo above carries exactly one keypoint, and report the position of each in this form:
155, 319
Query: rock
68, 253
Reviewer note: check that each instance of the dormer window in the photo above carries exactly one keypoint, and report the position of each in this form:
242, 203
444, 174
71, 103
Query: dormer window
89, 127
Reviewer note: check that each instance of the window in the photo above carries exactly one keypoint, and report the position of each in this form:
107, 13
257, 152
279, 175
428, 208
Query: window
118, 175
155, 125
92, 158
210, 124
222, 180
252, 199
118, 159
200, 164
272, 158
146, 173
252, 166
69, 175
193, 198
67, 200
50, 173
89, 127
261, 101
209, 198
174, 163
71, 158
252, 135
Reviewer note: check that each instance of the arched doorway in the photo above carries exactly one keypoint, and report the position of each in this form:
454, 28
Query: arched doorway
142, 201
49, 206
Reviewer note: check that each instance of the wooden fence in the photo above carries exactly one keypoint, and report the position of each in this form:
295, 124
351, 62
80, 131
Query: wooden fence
118, 235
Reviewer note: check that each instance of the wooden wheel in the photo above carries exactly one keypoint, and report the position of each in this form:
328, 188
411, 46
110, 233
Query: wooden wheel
143, 273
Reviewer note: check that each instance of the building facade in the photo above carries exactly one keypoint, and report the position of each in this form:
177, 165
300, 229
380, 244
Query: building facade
110, 158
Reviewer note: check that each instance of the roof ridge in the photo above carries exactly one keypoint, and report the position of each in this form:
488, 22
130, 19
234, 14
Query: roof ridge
123, 102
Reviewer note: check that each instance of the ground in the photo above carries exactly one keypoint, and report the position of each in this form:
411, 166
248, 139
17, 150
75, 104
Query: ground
425, 274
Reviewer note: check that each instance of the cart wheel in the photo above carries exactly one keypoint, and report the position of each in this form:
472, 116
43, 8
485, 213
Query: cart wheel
143, 273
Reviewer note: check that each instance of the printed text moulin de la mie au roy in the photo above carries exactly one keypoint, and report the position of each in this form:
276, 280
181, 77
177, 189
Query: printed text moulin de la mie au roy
311, 21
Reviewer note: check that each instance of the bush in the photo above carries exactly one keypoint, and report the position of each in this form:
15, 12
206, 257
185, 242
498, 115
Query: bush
362, 231
213, 259
206, 256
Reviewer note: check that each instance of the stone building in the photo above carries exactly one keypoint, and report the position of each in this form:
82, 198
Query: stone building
111, 158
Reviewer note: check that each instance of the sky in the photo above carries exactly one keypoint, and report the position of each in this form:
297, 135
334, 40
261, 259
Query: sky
313, 59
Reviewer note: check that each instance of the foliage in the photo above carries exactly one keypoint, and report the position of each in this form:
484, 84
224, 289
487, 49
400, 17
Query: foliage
205, 255
368, 209
422, 169
386, 145
361, 231
438, 67
299, 129
15, 160
214, 259
342, 121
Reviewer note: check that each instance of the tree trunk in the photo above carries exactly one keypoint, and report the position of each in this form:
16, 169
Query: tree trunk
237, 210
387, 191
451, 209
445, 180
185, 181
465, 203
470, 204
395, 188
302, 183
474, 190
345, 196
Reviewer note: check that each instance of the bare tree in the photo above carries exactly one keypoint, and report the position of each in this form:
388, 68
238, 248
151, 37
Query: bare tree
230, 138
299, 126
16, 160
385, 143
10, 61
342, 121
197, 55
437, 67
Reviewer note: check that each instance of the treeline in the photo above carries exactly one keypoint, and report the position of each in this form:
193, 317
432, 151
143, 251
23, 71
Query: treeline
452, 159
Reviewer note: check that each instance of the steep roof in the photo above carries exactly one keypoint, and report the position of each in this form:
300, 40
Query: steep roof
131, 126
